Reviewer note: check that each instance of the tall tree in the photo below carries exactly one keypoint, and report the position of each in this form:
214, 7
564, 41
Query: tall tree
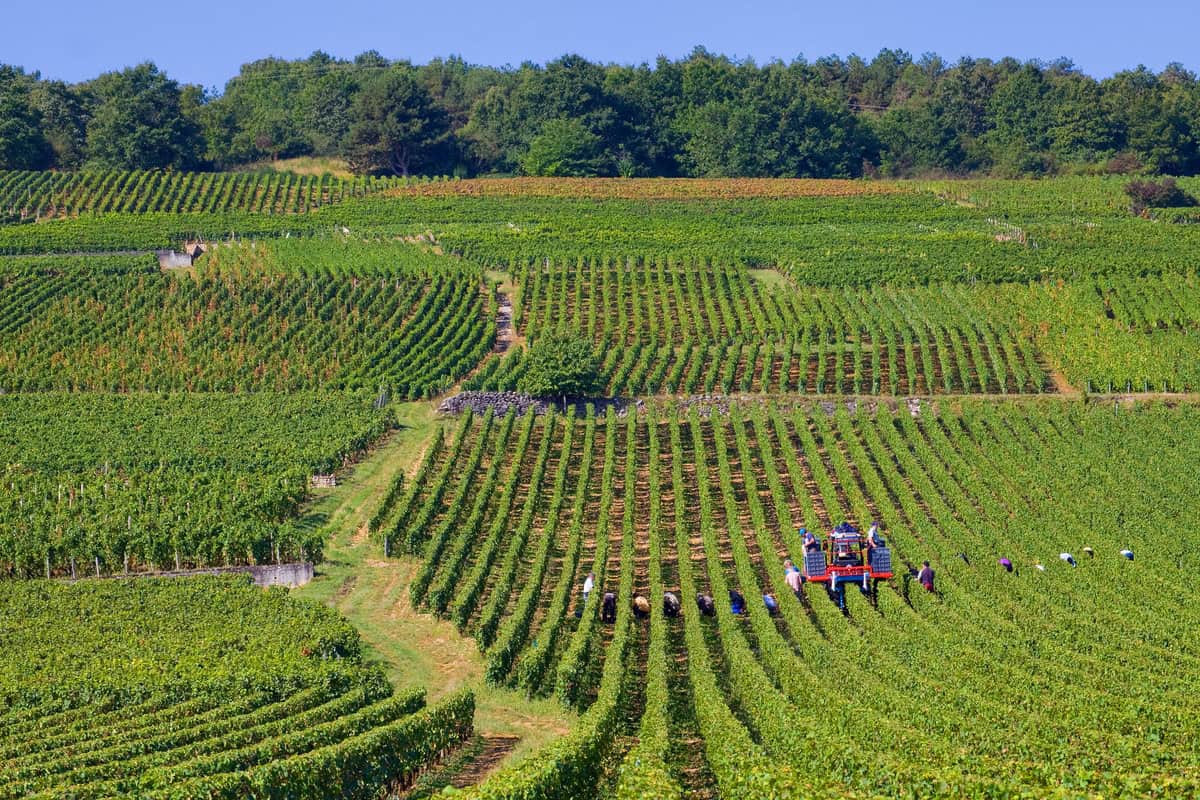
704, 114
961, 101
263, 105
1020, 117
648, 101
917, 138
722, 140
1080, 132
564, 148
1181, 104
396, 126
22, 144
512, 112
323, 113
774, 126
456, 87
138, 122
64, 122
809, 133
1143, 114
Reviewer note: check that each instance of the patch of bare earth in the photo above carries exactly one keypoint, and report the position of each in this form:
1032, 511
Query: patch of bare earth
1060, 383
496, 748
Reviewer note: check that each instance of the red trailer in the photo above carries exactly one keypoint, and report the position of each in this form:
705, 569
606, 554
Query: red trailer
846, 557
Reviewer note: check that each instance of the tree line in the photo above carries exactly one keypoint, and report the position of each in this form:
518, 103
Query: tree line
705, 115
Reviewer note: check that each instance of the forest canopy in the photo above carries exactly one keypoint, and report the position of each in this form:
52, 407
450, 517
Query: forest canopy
703, 115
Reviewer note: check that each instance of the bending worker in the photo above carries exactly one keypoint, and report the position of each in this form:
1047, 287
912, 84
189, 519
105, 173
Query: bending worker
925, 576
737, 603
608, 608
792, 576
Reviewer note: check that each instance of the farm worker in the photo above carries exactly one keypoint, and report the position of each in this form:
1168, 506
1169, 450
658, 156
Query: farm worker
641, 607
1128, 554
772, 606
1004, 562
737, 603
1089, 552
706, 605
810, 540
670, 604
873, 538
589, 583
1067, 557
608, 608
925, 576
792, 576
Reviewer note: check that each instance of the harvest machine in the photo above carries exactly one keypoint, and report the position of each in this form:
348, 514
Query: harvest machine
844, 559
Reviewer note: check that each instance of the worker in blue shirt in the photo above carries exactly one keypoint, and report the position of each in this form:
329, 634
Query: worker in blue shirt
810, 541
737, 603
772, 606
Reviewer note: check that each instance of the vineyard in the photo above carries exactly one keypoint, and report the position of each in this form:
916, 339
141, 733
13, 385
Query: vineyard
282, 705
1050, 679
1118, 334
102, 484
990, 232
396, 320
998, 372
38, 195
909, 238
665, 328
656, 189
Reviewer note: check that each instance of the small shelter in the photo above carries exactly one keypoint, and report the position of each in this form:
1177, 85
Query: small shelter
170, 259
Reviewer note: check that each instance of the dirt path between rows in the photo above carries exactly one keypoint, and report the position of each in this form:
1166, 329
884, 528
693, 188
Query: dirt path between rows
505, 336
495, 749
1060, 383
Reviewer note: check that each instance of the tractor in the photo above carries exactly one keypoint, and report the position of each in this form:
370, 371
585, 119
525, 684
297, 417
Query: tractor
844, 558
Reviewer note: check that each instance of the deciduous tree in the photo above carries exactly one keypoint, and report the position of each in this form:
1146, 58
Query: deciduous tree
564, 148
396, 126
22, 144
138, 122
561, 365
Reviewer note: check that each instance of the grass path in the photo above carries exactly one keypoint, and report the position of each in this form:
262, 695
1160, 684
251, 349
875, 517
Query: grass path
416, 649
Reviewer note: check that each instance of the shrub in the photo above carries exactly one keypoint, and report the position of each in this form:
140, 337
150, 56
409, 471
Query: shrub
1162, 194
561, 364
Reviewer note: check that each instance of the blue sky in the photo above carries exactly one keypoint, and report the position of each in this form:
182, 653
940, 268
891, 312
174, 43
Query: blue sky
206, 42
